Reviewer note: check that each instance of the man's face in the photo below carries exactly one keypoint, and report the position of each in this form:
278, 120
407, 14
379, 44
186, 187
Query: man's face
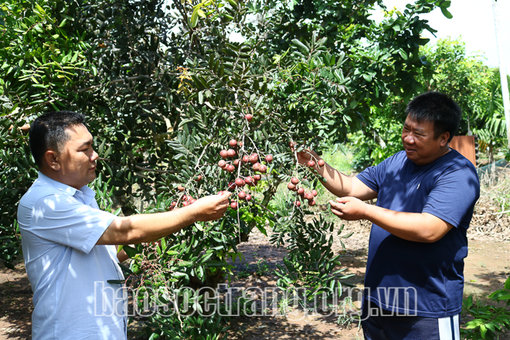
77, 159
420, 144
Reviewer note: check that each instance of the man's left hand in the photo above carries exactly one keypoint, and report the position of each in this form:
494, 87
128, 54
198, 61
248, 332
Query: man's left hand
348, 208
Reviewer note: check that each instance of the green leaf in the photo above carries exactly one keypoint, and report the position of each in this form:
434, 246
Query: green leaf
507, 283
446, 13
120, 282
403, 54
194, 19
201, 13
130, 251
302, 47
483, 331
154, 336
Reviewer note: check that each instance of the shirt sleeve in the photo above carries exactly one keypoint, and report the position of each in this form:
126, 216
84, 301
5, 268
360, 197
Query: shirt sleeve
374, 175
65, 220
454, 196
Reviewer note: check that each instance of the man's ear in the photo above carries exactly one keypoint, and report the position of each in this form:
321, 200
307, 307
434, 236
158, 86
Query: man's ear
443, 139
52, 159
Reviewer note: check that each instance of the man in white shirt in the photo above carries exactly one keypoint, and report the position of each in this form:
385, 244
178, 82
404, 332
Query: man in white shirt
69, 243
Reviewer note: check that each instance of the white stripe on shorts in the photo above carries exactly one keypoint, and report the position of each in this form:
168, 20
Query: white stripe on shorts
449, 328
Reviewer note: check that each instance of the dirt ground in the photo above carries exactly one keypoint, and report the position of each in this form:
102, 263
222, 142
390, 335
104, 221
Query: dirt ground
486, 269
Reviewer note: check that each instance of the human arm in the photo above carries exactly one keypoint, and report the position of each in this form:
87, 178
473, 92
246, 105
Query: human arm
121, 255
417, 227
336, 182
151, 227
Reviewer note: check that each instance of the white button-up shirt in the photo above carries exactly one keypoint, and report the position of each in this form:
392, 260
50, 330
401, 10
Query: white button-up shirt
68, 272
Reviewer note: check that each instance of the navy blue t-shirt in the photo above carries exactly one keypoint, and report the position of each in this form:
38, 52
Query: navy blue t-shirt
428, 277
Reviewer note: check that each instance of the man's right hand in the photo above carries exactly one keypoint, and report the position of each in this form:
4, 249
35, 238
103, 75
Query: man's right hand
306, 155
212, 207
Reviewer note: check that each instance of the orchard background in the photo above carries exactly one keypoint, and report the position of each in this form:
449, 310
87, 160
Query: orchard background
166, 86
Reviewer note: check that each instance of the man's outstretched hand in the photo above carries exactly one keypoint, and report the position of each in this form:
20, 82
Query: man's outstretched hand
212, 207
303, 157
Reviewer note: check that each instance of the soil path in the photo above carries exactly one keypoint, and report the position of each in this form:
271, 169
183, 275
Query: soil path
486, 269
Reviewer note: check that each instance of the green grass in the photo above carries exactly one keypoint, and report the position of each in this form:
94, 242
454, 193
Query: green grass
340, 157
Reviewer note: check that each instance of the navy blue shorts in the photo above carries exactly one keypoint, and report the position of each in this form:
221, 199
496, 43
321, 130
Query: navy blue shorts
385, 326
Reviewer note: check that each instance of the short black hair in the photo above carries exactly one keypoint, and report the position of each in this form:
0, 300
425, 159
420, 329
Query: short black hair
437, 108
48, 131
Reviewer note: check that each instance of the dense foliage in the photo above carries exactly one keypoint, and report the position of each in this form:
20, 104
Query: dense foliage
487, 320
165, 90
473, 85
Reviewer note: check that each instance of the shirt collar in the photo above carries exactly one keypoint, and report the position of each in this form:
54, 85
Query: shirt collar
84, 190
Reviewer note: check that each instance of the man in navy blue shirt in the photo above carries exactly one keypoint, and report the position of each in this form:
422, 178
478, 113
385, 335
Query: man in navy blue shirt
425, 199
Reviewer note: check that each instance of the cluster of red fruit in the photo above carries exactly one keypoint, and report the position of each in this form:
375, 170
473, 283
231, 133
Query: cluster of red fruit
311, 163
185, 199
252, 161
309, 196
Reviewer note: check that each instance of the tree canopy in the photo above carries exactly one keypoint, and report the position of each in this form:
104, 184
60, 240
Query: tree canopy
164, 90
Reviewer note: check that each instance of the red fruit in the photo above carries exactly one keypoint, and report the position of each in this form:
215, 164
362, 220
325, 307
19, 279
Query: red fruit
231, 168
308, 196
256, 166
294, 180
246, 159
223, 153
291, 186
301, 191
241, 195
257, 177
321, 162
269, 158
199, 178
248, 180
263, 168
248, 117
174, 203
311, 203
191, 201
297, 204
239, 182
311, 163
231, 153
180, 188
232, 142
231, 185
248, 197
236, 163
185, 204
314, 192
239, 144
233, 205
222, 164
254, 158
